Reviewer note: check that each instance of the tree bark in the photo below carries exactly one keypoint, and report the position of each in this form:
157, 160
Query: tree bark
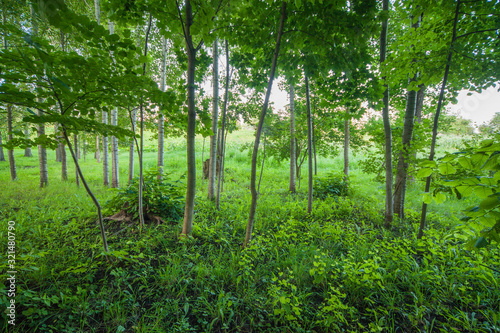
389, 206
347, 125
2, 155
42, 152
105, 152
141, 149
97, 149
64, 163
314, 146
222, 138
262, 166
309, 147
115, 170
10, 152
27, 150
404, 154
161, 124
131, 149
293, 159
436, 119
75, 143
187, 225
215, 118
253, 206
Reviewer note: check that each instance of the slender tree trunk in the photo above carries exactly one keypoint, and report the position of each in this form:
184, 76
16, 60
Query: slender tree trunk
309, 147
27, 150
253, 189
314, 146
215, 119
223, 161
389, 205
436, 119
161, 128
141, 149
64, 163
84, 149
222, 138
404, 154
98, 20
2, 155
10, 152
75, 143
105, 152
115, 170
131, 150
346, 144
262, 167
89, 191
420, 103
187, 225
293, 158
42, 152
97, 149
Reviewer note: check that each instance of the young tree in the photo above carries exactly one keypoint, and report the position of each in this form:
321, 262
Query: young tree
293, 157
253, 175
309, 147
10, 152
389, 205
161, 126
215, 113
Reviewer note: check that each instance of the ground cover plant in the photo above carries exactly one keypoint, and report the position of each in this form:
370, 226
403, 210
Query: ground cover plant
336, 269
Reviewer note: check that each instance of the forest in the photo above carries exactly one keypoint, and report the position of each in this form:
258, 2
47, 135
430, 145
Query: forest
249, 166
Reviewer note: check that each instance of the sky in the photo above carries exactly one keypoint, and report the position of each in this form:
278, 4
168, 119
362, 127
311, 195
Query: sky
479, 108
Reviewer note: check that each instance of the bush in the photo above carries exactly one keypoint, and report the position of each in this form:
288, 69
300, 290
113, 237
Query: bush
331, 185
160, 198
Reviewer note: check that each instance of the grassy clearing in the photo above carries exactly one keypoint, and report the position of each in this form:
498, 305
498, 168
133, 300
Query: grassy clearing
336, 270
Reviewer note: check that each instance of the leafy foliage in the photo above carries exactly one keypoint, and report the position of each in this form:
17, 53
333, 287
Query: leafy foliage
160, 197
478, 168
333, 184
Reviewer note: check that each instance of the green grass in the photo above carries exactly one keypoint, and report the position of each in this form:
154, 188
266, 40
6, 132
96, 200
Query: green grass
335, 270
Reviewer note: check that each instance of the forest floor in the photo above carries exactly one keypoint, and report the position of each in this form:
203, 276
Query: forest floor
335, 270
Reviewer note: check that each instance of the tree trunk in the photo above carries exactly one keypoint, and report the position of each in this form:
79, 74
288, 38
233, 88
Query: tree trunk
75, 143
58, 149
141, 149
105, 152
436, 119
161, 125
87, 188
97, 149
222, 138
131, 149
187, 225
389, 206
42, 152
215, 119
404, 154
64, 163
2, 155
253, 206
115, 170
84, 149
309, 147
262, 167
346, 144
420, 103
27, 150
10, 152
293, 159
314, 146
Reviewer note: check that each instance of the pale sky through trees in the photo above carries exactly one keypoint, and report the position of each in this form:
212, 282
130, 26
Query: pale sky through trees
479, 108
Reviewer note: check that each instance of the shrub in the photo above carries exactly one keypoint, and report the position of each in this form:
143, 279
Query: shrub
160, 198
331, 185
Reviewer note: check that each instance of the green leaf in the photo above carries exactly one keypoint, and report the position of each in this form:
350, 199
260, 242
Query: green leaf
481, 242
440, 197
490, 202
447, 169
423, 173
482, 191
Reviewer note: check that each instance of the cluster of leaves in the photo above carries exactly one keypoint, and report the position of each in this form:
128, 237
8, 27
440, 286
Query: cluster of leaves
160, 197
333, 184
478, 167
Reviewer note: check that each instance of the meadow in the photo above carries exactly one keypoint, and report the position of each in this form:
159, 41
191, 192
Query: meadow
335, 270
